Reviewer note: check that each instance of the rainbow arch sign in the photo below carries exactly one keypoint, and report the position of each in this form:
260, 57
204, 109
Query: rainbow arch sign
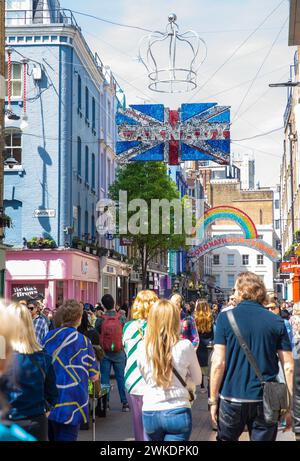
230, 213
219, 241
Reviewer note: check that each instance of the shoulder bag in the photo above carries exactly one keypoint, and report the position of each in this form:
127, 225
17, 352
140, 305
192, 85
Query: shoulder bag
275, 394
182, 381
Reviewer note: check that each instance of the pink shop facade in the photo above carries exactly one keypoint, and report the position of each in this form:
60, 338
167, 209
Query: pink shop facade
57, 274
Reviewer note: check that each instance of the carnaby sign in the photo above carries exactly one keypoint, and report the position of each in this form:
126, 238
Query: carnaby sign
231, 240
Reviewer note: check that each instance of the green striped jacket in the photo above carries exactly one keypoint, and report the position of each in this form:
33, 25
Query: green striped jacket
133, 333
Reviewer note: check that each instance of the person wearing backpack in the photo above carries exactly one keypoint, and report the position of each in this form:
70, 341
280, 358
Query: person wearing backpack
110, 328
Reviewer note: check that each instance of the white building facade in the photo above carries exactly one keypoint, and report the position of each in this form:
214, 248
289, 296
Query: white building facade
229, 261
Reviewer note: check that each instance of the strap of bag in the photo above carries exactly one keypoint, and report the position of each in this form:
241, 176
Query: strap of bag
181, 380
250, 357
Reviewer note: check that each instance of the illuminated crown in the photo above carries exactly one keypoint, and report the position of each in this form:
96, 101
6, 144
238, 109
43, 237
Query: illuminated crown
180, 51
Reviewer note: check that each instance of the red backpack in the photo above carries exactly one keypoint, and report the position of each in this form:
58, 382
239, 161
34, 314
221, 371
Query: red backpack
111, 333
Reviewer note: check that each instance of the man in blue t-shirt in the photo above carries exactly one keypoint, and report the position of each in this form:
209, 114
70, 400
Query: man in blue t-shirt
236, 392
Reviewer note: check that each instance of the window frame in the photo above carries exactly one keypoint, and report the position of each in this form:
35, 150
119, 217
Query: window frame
243, 263
86, 163
217, 256
11, 131
79, 93
13, 97
260, 258
79, 156
233, 262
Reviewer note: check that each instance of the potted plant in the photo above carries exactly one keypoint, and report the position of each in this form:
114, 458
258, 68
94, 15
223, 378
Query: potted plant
5, 221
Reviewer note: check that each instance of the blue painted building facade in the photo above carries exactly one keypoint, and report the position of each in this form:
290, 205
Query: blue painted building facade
64, 158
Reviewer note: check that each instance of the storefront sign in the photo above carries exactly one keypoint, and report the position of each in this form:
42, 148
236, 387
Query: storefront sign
44, 213
290, 267
84, 267
19, 292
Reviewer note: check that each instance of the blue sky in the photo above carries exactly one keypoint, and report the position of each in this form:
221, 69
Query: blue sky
223, 24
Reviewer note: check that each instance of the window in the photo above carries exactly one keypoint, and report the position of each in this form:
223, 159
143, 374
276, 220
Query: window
86, 225
230, 280
79, 221
79, 156
245, 259
86, 164
260, 260
277, 204
79, 93
87, 108
16, 80
230, 260
13, 144
260, 217
217, 280
216, 260
109, 117
93, 226
278, 245
103, 171
277, 224
93, 171
108, 172
93, 114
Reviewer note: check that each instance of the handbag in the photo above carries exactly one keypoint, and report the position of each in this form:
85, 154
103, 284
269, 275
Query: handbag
275, 394
181, 380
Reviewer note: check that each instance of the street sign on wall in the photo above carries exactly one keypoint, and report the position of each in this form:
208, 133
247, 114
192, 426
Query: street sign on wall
151, 132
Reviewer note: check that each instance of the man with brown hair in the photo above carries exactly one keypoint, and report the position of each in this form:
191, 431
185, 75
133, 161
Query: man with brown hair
235, 391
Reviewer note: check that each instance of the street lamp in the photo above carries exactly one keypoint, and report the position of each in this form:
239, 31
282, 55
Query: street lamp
284, 84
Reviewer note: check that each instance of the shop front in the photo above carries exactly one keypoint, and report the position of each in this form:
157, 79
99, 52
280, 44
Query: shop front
114, 279
56, 274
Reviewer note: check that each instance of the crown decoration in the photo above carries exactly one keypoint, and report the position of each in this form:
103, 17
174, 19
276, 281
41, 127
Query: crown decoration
180, 75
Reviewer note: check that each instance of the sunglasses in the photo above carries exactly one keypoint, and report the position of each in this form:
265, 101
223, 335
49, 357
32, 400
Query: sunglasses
31, 308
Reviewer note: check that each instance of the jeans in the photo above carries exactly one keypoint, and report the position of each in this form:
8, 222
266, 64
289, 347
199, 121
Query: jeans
233, 417
168, 425
59, 432
117, 361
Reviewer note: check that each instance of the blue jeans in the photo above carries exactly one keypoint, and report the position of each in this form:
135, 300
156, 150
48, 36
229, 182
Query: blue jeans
233, 417
168, 425
59, 432
117, 361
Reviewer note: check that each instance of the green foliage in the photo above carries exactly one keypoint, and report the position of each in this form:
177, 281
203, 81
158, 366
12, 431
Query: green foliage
148, 181
41, 242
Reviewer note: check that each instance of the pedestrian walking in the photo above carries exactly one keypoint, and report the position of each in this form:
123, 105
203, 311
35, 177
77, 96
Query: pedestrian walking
235, 389
74, 363
9, 327
205, 326
188, 329
40, 323
133, 334
110, 327
171, 370
30, 384
296, 394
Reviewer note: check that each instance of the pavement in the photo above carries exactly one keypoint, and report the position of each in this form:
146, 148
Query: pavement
116, 426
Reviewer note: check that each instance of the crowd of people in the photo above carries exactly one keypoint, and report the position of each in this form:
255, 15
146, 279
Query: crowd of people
162, 352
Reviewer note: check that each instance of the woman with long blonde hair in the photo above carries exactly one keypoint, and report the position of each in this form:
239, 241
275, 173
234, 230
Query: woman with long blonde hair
133, 334
169, 367
205, 325
30, 383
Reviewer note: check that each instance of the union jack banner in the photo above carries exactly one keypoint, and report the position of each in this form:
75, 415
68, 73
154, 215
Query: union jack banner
151, 132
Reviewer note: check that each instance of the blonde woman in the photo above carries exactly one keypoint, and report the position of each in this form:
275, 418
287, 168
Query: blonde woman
163, 355
205, 326
133, 334
30, 384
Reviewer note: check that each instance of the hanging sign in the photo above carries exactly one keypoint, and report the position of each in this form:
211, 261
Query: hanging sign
151, 132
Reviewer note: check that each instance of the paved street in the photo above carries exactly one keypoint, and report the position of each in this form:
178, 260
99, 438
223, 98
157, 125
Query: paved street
117, 425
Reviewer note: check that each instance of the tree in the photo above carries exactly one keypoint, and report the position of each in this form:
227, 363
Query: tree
147, 181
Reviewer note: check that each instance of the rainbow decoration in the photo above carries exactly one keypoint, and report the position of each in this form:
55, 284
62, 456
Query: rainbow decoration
225, 212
